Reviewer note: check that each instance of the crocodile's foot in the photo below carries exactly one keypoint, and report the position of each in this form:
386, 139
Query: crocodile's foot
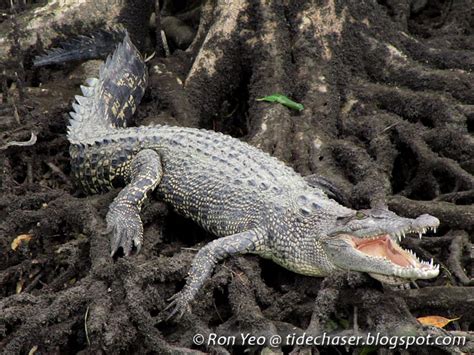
126, 231
178, 306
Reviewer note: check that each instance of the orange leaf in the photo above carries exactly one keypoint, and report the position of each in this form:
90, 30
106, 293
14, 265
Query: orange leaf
21, 238
436, 321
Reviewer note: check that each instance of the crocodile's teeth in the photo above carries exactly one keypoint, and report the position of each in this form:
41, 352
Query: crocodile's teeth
434, 229
420, 234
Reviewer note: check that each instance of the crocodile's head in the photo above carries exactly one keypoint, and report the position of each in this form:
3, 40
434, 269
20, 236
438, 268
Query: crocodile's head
368, 241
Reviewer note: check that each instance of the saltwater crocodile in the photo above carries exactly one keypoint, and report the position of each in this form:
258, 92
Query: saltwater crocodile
252, 201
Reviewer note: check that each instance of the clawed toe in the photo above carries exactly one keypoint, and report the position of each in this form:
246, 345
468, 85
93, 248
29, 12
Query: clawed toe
177, 307
127, 237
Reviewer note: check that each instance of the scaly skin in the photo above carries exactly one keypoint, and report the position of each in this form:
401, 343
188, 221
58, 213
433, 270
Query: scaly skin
252, 201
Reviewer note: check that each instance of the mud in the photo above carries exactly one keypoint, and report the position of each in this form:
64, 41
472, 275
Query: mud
388, 91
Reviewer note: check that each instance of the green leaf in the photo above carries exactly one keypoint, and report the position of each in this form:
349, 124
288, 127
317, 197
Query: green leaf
282, 99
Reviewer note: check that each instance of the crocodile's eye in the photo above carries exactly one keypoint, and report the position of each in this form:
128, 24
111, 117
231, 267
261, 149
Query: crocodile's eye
360, 215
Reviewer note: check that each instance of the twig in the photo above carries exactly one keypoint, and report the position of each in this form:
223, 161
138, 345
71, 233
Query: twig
150, 57
28, 143
165, 44
15, 112
85, 326
159, 40
386, 129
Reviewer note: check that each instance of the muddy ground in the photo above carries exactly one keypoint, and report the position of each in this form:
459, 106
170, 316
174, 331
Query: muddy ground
388, 91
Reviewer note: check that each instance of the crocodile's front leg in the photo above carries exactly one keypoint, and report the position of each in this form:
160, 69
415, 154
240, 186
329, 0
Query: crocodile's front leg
205, 261
123, 219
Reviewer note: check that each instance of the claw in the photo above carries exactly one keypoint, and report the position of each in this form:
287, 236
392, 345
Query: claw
114, 242
178, 304
137, 245
173, 312
126, 232
171, 299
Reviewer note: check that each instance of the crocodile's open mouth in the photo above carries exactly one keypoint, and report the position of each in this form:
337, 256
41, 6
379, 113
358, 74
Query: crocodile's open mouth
380, 256
385, 253
383, 246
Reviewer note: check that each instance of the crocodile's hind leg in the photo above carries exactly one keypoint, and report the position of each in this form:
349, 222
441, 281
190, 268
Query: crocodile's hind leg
123, 219
251, 241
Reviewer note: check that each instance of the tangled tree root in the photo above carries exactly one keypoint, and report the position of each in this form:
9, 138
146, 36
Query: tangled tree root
389, 112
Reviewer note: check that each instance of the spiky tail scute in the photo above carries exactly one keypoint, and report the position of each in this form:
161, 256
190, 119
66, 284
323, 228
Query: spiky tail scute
109, 102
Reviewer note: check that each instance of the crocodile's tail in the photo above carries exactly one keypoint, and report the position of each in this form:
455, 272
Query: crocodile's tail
96, 46
109, 102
